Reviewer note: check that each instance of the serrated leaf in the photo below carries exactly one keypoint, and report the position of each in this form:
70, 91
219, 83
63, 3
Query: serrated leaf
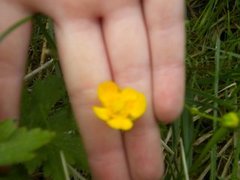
53, 166
48, 92
62, 120
73, 149
21, 145
37, 104
36, 162
7, 127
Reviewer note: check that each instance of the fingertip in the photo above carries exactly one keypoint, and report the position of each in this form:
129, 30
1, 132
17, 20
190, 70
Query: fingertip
149, 173
168, 106
146, 159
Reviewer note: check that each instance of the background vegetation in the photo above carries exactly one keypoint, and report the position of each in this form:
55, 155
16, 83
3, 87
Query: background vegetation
195, 146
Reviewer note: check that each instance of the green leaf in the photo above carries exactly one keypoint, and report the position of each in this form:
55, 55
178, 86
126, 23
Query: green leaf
37, 104
73, 149
7, 127
62, 120
53, 166
46, 105
21, 144
49, 158
47, 93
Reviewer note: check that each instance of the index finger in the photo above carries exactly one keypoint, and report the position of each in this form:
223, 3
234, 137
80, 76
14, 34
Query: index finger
84, 63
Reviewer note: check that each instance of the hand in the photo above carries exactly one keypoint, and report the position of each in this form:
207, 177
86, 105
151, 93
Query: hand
136, 43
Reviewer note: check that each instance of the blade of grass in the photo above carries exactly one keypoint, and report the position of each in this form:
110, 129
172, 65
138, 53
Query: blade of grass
216, 88
235, 171
167, 148
209, 96
233, 54
176, 135
39, 69
184, 162
48, 34
219, 134
187, 130
64, 164
174, 168
14, 27
226, 167
75, 173
203, 174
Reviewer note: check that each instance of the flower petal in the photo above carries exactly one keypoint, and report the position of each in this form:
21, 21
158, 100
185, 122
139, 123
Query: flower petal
120, 107
135, 103
108, 92
102, 113
138, 107
120, 123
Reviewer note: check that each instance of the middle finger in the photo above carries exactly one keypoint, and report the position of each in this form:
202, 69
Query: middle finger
127, 47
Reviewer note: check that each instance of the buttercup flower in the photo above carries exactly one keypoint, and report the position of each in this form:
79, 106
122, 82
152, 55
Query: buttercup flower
120, 107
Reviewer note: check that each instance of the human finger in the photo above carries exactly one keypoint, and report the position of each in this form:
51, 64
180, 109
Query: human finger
127, 47
13, 51
165, 24
84, 64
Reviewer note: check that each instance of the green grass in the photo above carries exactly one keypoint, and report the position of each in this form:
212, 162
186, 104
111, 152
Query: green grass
213, 74
196, 146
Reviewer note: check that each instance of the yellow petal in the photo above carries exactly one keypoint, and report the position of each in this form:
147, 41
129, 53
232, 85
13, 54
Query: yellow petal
102, 113
108, 92
120, 123
135, 103
129, 94
138, 107
117, 105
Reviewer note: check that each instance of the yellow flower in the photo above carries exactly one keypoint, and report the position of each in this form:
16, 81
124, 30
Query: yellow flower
120, 107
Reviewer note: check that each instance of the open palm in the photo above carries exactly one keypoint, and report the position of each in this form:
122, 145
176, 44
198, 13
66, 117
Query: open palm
138, 44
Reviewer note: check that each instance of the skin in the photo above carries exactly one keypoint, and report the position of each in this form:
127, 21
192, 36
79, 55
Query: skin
135, 43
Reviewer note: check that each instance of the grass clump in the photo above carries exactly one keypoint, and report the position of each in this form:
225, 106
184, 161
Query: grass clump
213, 74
